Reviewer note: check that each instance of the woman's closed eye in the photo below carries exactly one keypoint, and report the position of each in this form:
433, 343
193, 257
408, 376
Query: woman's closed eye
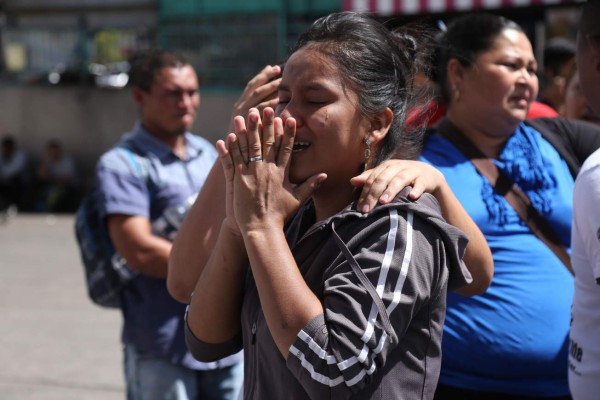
513, 66
314, 102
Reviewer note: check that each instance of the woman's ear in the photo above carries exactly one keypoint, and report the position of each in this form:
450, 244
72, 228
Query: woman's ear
380, 125
454, 72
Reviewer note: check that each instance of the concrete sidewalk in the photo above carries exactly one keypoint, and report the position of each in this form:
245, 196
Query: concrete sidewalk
55, 343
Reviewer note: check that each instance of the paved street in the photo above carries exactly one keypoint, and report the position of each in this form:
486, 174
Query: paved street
55, 344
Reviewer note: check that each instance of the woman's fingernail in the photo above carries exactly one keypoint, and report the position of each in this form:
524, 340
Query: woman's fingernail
384, 198
365, 208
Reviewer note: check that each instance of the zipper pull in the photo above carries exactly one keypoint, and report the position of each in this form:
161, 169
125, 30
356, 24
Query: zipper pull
253, 333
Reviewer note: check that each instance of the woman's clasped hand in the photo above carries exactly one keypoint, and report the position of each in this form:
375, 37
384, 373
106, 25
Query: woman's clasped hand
255, 160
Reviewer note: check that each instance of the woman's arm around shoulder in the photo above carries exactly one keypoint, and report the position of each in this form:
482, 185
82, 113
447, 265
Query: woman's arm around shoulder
385, 181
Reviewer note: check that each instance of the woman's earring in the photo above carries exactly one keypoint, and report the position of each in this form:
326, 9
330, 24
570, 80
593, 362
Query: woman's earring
456, 95
368, 149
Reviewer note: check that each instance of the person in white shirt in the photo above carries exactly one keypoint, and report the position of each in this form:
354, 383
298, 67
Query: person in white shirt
584, 354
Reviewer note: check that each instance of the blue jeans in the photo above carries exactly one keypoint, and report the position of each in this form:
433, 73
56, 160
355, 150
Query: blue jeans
149, 377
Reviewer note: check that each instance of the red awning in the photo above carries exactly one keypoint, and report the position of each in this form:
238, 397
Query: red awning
403, 7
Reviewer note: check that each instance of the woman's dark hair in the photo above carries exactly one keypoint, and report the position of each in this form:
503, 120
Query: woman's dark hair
379, 65
466, 38
588, 22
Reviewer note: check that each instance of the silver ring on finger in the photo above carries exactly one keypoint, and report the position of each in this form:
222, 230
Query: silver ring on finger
255, 159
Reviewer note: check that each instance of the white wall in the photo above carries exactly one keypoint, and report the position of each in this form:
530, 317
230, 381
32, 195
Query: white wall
89, 120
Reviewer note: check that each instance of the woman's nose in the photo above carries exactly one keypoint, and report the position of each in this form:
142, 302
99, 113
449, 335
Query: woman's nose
284, 112
289, 110
525, 74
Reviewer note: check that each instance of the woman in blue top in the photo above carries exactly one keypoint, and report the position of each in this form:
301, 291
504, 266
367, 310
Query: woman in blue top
512, 341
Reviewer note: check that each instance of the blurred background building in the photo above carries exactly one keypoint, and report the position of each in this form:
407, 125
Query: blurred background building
63, 62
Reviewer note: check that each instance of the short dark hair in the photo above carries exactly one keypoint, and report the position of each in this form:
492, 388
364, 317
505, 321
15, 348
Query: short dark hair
466, 38
145, 66
378, 64
557, 52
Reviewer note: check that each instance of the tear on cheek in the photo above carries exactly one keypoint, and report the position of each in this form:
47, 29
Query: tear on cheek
322, 118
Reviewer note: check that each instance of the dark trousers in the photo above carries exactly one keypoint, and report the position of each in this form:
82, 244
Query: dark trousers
444, 392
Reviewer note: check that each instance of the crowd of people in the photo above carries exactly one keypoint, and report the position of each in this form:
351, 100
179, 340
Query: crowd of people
339, 244
50, 183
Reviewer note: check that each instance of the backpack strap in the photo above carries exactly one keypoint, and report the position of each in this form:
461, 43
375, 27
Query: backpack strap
558, 141
503, 185
134, 160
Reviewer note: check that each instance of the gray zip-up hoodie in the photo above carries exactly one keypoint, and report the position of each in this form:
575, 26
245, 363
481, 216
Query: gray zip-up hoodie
382, 278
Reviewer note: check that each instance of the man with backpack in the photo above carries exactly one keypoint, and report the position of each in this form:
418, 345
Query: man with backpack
144, 186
